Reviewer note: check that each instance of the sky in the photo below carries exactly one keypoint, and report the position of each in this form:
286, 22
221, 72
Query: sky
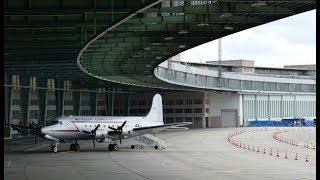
288, 41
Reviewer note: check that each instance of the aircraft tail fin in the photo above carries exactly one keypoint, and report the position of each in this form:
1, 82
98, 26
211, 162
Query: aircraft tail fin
155, 115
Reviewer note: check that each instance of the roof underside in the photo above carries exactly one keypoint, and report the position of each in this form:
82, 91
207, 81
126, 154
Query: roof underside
122, 40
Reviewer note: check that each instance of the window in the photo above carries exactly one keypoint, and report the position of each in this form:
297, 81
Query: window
133, 111
85, 112
179, 101
101, 112
15, 101
169, 110
67, 102
207, 101
34, 102
207, 110
187, 110
33, 83
197, 101
142, 102
188, 101
178, 111
198, 110
85, 102
34, 114
15, 114
169, 102
51, 102
51, 113
100, 103
142, 111
68, 112
133, 102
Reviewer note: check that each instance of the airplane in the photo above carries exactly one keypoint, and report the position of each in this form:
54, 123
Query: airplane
73, 128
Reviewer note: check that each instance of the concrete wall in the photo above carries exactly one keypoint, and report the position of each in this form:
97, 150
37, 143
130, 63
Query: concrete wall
219, 102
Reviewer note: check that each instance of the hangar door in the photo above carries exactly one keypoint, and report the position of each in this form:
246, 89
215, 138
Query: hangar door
228, 118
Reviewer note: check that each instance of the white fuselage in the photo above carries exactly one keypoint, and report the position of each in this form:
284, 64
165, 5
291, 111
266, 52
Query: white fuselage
71, 128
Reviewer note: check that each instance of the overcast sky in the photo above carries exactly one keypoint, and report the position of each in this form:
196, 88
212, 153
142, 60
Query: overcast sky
288, 41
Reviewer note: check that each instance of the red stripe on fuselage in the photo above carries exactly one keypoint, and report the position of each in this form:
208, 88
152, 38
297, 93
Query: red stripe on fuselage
66, 130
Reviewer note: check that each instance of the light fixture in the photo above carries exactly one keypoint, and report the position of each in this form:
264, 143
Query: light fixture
182, 46
228, 27
183, 32
259, 3
168, 38
158, 57
148, 65
203, 24
150, 76
147, 48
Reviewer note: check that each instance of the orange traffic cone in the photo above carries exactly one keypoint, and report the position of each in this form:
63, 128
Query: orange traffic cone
307, 159
286, 156
296, 158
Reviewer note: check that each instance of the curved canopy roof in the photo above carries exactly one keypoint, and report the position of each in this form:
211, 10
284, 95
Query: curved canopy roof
122, 41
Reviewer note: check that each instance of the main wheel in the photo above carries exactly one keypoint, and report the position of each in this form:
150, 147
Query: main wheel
72, 147
77, 147
110, 147
115, 147
132, 146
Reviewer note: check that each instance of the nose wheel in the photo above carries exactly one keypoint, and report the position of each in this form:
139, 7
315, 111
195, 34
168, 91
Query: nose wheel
113, 147
54, 147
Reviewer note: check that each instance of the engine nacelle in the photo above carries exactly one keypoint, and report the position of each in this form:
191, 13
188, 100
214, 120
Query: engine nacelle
101, 135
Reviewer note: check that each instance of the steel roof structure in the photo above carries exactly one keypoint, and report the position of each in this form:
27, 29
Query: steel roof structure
122, 41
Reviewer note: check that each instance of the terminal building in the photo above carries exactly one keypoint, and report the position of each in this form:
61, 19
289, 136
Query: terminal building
205, 108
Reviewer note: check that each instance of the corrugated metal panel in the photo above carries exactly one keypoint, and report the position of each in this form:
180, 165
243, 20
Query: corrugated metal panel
285, 106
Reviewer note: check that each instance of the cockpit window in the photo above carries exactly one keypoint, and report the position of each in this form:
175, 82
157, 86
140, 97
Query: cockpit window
53, 122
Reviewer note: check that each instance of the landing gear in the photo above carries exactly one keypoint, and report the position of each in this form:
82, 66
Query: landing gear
74, 147
54, 147
113, 147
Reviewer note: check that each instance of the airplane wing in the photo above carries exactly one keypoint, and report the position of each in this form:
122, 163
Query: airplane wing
20, 127
155, 129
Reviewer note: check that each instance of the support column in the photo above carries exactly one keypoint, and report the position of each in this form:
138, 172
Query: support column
58, 83
93, 103
76, 99
24, 100
42, 96
7, 98
126, 103
110, 102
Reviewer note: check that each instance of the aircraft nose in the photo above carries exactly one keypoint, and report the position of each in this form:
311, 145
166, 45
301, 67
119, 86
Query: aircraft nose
43, 130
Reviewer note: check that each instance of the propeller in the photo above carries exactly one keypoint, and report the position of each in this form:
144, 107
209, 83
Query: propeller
117, 130
36, 129
92, 133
